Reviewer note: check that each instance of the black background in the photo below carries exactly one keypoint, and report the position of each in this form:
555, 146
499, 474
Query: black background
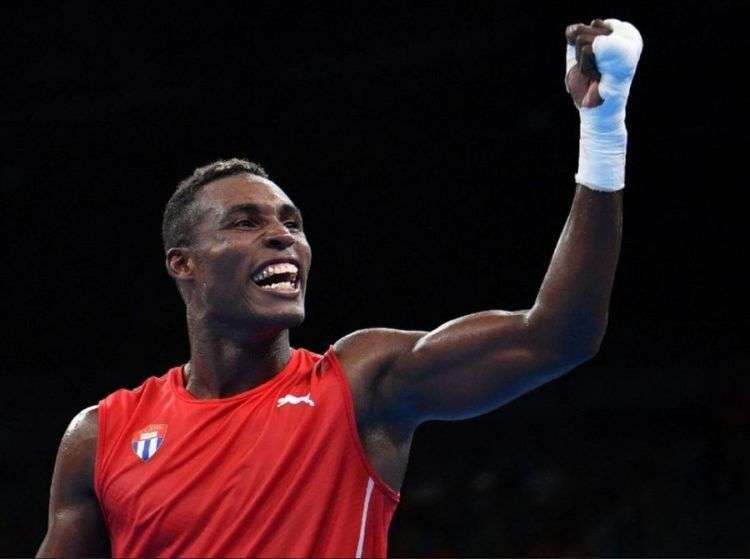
432, 151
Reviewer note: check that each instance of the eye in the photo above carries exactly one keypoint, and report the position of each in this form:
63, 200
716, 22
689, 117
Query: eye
246, 223
292, 224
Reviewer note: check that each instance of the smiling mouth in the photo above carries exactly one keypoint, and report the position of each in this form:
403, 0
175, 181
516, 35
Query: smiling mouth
278, 278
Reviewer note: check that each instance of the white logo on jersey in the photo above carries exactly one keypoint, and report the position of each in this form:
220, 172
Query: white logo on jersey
294, 400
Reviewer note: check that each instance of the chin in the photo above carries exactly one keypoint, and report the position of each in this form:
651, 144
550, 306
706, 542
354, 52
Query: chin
281, 320
295, 320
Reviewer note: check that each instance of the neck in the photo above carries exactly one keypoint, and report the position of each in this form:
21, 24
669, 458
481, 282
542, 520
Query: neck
222, 365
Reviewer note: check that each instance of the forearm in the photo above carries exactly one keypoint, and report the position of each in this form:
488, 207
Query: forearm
570, 312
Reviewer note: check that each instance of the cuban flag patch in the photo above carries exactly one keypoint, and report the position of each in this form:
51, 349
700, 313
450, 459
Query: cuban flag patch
148, 440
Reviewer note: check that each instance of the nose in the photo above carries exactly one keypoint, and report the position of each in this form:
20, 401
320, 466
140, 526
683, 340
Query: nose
279, 237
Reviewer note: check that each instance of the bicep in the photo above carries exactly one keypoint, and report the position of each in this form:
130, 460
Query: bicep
75, 523
472, 365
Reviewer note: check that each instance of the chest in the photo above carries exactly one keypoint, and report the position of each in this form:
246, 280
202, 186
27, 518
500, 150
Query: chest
176, 462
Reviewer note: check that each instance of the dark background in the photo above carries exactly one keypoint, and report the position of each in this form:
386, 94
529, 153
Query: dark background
432, 151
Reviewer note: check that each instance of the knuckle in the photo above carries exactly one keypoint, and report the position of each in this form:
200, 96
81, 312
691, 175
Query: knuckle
573, 29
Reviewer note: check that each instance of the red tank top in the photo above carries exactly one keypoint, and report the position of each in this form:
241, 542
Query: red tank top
276, 471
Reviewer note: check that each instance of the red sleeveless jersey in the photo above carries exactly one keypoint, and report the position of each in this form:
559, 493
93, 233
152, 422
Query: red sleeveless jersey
276, 471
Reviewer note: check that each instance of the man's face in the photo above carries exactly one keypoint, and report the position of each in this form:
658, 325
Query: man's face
250, 256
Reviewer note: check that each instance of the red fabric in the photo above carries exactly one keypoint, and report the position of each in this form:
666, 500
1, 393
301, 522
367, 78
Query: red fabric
241, 476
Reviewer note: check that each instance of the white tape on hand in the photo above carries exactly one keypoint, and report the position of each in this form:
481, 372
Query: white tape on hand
604, 137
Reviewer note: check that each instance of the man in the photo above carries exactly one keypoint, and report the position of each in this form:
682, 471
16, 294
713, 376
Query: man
256, 448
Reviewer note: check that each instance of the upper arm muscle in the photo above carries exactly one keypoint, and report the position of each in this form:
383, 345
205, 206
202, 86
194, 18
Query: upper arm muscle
75, 523
470, 365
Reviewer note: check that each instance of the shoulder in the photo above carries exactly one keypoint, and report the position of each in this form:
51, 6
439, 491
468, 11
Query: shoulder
368, 355
76, 527
84, 427
130, 397
374, 349
77, 450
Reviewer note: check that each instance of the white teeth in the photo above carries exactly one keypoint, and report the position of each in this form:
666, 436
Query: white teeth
282, 285
283, 268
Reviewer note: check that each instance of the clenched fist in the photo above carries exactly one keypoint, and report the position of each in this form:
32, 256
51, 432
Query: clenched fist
601, 59
604, 53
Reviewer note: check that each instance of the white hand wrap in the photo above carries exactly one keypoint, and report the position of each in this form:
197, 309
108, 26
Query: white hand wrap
604, 138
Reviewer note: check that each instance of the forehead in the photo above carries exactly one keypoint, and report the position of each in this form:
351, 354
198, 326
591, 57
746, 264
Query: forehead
220, 195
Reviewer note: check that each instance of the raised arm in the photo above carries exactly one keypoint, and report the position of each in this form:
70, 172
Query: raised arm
478, 362
75, 524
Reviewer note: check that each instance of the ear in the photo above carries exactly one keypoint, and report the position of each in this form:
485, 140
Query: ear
179, 264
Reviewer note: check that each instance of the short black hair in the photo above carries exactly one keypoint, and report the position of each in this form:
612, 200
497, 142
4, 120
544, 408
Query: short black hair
180, 215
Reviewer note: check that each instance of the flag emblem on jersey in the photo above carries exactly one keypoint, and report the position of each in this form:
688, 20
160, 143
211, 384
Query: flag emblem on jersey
148, 440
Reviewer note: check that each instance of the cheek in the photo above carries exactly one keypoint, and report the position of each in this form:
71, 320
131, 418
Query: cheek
306, 251
225, 264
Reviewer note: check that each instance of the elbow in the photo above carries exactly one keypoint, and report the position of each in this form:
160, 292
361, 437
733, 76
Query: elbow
574, 348
583, 352
579, 347
571, 355
570, 342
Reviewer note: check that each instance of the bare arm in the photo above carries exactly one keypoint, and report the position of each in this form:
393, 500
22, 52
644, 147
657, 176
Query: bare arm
476, 363
75, 524
571, 309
